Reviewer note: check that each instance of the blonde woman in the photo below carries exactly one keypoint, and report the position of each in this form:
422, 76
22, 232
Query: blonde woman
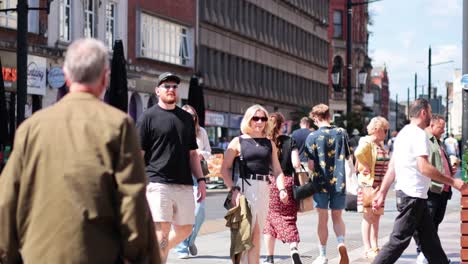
372, 161
259, 154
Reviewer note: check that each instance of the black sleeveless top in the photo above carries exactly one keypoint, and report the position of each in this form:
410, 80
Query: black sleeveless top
256, 153
286, 146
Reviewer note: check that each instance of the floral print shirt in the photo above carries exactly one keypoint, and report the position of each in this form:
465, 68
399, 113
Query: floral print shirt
328, 148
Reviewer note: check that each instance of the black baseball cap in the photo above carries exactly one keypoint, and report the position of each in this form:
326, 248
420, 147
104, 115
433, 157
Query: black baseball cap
167, 76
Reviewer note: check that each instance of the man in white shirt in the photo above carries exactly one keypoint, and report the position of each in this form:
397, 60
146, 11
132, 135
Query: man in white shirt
451, 145
413, 173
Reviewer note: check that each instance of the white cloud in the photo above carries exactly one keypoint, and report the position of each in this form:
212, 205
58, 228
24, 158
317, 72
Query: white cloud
443, 7
389, 57
446, 53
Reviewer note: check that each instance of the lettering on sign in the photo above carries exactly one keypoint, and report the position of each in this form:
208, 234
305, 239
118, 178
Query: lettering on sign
9, 74
56, 77
214, 119
37, 67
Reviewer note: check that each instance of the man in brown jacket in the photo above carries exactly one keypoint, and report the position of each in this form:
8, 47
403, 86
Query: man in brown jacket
73, 190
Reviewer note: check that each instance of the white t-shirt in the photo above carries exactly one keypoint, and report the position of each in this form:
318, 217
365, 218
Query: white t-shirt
451, 145
411, 142
203, 143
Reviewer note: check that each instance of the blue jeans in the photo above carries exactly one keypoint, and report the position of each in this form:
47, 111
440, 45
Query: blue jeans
182, 247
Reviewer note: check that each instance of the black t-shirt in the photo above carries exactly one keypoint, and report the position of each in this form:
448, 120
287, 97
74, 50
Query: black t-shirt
300, 136
167, 136
287, 144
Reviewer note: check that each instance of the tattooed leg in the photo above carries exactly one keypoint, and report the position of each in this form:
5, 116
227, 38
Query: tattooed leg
162, 233
164, 243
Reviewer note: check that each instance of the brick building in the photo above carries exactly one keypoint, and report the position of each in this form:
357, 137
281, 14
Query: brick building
360, 60
380, 79
161, 37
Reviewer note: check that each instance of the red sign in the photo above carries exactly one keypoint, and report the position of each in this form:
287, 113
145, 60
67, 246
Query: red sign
9, 74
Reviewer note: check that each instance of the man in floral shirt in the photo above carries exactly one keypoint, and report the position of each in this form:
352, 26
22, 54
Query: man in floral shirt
327, 149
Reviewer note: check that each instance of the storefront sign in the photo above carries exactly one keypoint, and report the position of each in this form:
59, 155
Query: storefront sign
9, 74
37, 67
214, 119
235, 120
36, 73
56, 77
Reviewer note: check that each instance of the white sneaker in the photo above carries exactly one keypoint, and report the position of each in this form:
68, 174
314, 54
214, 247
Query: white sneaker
421, 259
320, 260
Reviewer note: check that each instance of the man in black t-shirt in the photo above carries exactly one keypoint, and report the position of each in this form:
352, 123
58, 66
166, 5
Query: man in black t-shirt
300, 136
169, 145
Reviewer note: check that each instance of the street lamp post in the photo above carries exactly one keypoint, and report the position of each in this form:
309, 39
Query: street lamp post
22, 59
447, 109
415, 86
349, 67
429, 69
429, 75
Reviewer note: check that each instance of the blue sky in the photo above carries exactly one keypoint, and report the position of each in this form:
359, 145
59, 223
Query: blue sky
401, 34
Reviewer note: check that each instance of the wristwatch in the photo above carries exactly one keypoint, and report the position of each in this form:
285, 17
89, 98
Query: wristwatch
201, 179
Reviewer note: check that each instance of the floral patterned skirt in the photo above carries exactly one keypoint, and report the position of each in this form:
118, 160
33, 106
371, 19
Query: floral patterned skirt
281, 218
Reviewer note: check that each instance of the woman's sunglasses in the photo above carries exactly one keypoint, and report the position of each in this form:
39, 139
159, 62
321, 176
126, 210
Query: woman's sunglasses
257, 118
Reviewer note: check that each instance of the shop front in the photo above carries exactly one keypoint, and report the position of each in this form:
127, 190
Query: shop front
36, 85
222, 127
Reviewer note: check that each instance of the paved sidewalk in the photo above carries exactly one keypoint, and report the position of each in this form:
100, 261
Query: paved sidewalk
213, 243
449, 234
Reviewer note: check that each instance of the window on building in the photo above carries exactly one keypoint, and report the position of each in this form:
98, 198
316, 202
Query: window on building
89, 19
337, 24
65, 20
165, 41
8, 19
110, 24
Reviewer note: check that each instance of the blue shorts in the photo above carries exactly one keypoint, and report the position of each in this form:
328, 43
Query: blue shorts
332, 200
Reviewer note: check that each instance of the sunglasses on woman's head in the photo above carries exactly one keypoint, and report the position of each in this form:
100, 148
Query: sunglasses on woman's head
257, 118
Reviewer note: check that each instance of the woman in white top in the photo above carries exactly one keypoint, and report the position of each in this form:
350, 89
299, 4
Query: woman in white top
187, 247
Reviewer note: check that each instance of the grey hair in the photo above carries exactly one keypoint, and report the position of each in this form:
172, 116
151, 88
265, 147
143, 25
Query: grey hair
85, 60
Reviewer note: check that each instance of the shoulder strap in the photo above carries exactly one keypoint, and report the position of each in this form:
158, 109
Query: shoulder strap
241, 157
242, 167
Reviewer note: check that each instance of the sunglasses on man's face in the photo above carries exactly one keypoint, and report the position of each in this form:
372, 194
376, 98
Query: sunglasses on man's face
168, 86
257, 118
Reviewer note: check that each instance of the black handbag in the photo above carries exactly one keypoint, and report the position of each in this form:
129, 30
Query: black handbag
306, 190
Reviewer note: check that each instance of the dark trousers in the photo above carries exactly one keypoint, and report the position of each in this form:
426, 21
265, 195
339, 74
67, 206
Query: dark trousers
414, 216
437, 204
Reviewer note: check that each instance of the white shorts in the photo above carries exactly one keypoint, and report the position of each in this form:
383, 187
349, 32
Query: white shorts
172, 203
